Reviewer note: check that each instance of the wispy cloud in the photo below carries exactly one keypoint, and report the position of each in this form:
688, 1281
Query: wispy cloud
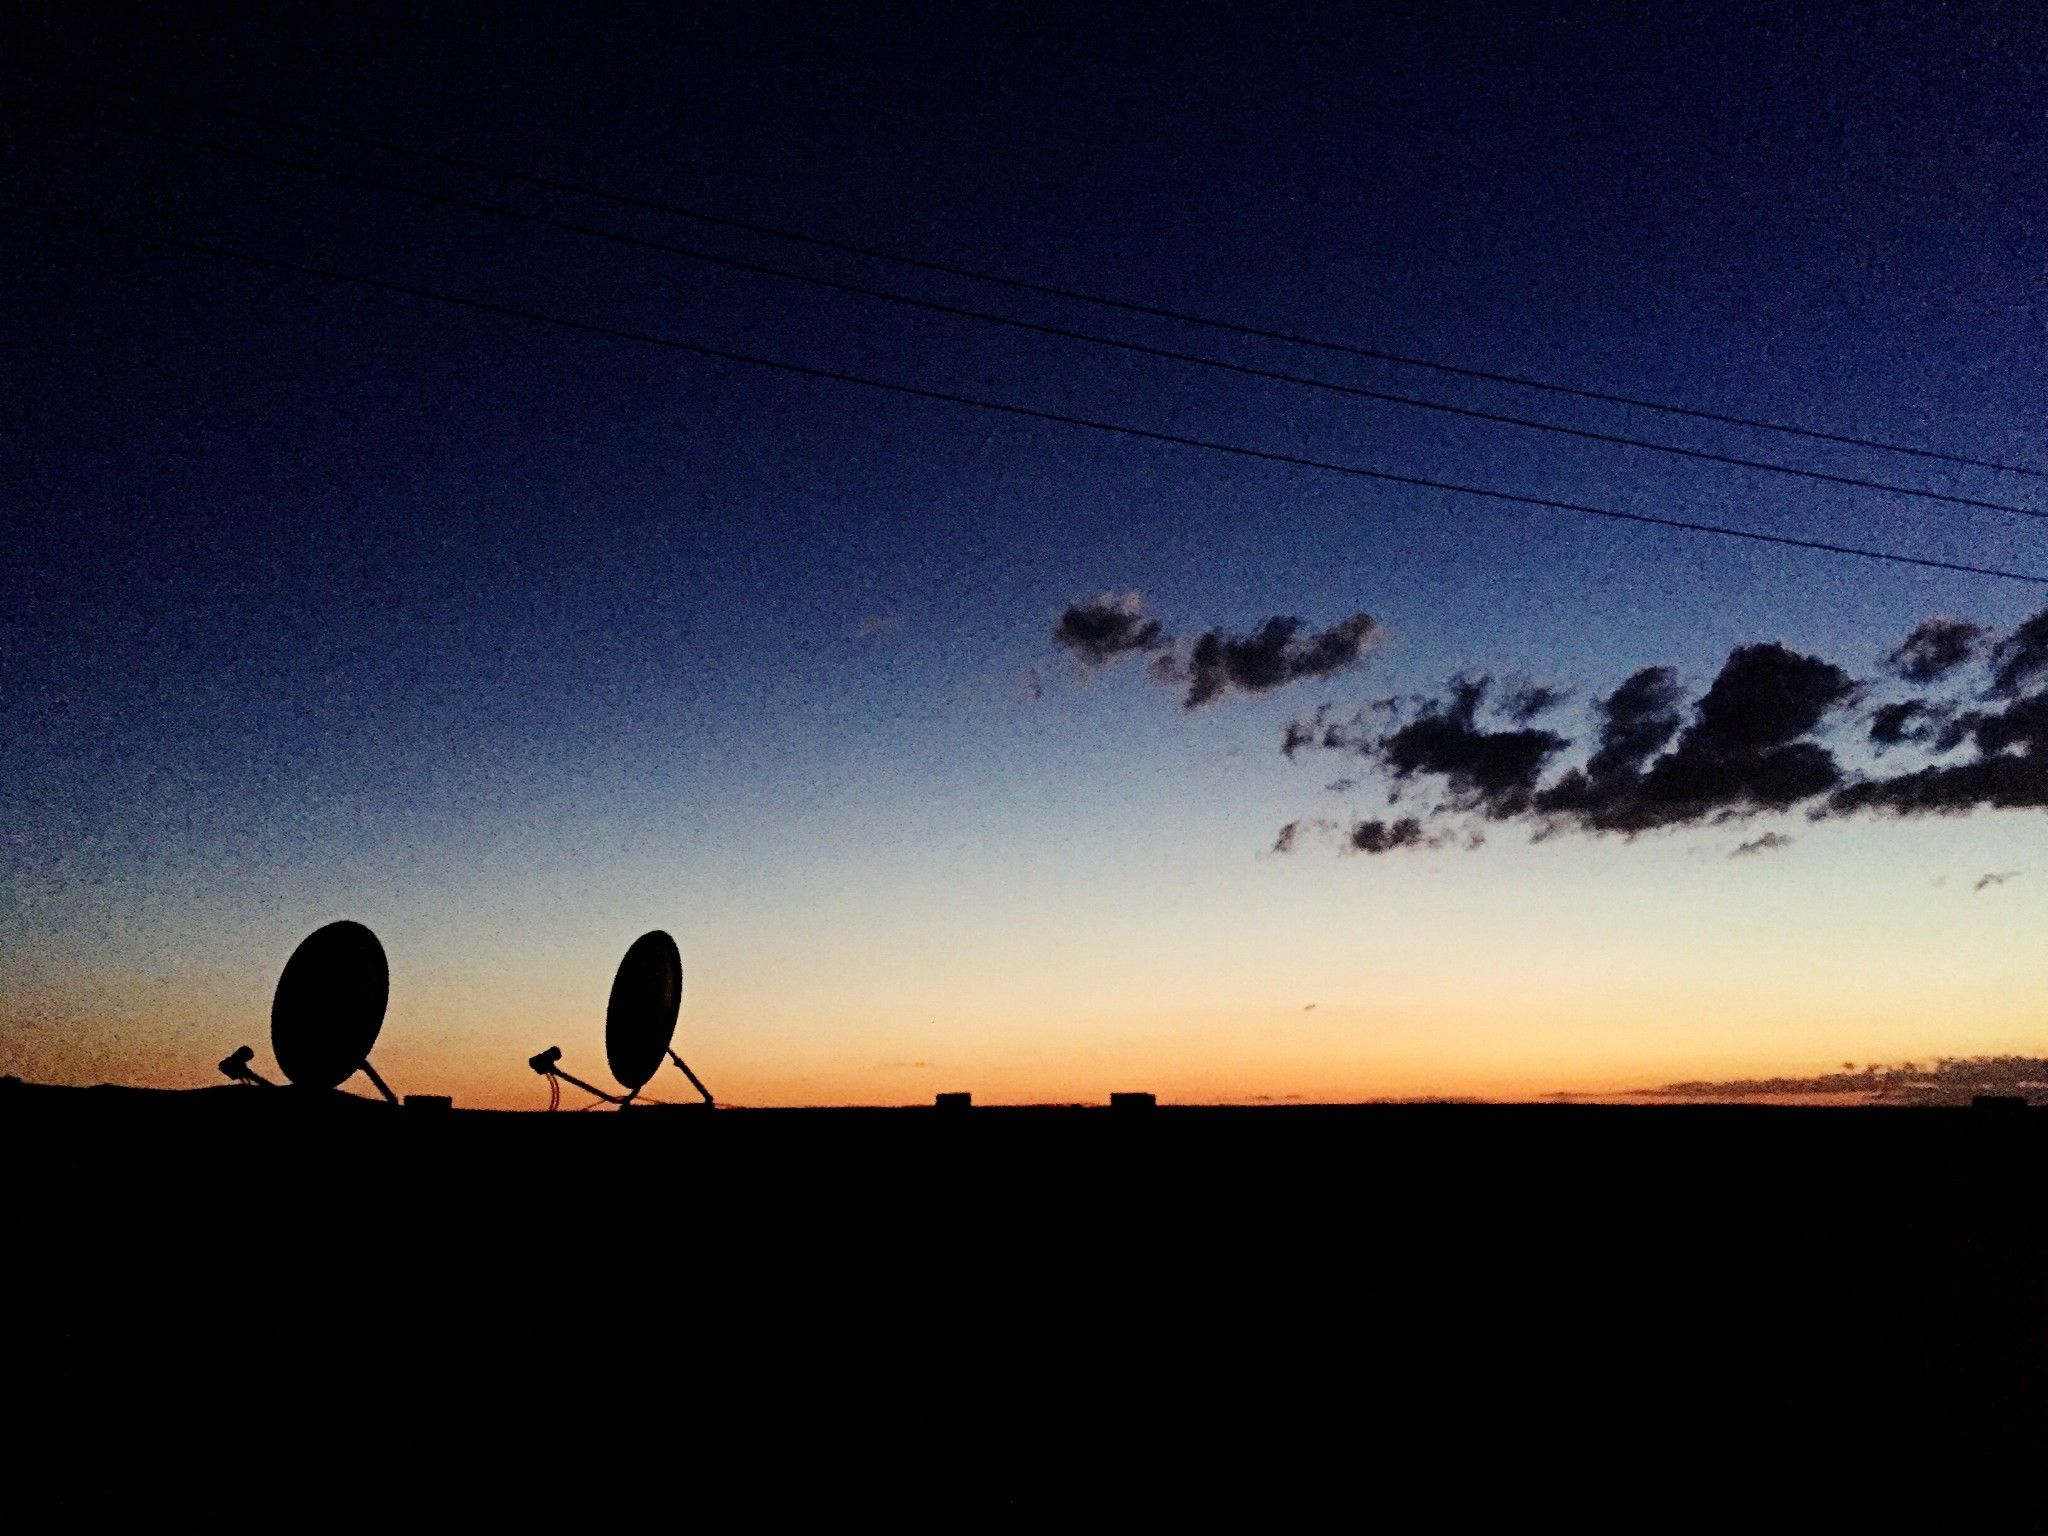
2021, 657
1936, 648
1764, 844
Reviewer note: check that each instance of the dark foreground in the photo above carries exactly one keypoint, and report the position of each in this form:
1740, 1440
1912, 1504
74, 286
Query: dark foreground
248, 1307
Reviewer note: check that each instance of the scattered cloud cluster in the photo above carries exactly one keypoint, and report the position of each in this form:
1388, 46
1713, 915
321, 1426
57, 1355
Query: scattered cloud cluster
1776, 731
1955, 721
1273, 655
1371, 834
1219, 662
1948, 1080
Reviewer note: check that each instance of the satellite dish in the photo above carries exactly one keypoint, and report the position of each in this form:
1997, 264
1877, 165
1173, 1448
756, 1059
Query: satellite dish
640, 1020
639, 1023
329, 1007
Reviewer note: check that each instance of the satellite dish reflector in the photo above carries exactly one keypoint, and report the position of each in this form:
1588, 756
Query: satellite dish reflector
640, 1020
329, 1007
639, 1023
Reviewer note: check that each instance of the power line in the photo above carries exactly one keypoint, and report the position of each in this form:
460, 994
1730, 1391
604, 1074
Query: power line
1029, 413
836, 285
1046, 290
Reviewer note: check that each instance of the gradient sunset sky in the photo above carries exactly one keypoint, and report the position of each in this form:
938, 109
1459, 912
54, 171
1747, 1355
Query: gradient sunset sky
514, 643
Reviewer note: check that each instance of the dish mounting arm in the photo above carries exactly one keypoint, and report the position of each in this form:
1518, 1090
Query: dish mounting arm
382, 1087
547, 1065
694, 1082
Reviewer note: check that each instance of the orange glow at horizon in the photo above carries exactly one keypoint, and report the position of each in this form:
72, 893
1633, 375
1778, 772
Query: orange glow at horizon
1331, 1054
1513, 974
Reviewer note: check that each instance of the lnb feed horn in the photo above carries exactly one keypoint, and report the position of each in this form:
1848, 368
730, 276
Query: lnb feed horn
547, 1064
236, 1069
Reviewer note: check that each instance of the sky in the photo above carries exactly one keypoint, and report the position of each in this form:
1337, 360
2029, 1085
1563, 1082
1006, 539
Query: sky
514, 642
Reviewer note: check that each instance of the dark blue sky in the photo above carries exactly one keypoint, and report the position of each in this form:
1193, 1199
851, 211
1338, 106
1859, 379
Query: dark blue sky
311, 585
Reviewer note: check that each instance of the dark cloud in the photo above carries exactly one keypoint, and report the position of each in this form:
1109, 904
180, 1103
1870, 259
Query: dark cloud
1935, 649
2009, 772
1526, 701
1284, 843
1464, 695
1107, 627
2021, 726
1694, 784
1636, 720
1316, 730
2021, 657
1745, 752
1488, 770
1910, 720
1270, 657
1764, 844
1767, 696
1953, 728
1986, 881
1991, 783
1340, 786
1386, 836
